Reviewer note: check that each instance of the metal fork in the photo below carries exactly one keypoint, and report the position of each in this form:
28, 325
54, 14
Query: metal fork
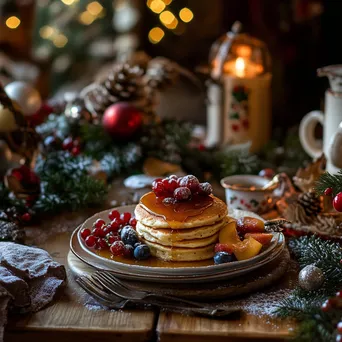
109, 300
112, 284
95, 289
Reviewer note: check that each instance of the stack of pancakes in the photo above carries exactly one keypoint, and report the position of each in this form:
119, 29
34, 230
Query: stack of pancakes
191, 240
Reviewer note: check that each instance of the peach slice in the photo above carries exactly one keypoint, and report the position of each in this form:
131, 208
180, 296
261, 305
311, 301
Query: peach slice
228, 234
250, 225
247, 249
263, 238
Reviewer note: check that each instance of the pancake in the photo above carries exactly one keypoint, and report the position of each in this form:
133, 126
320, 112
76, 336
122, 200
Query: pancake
193, 243
180, 254
168, 236
209, 216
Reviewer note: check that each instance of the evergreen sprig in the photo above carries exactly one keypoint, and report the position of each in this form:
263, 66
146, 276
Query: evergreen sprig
305, 306
65, 183
328, 180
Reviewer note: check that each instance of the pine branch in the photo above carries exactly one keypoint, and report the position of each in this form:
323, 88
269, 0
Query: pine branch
328, 180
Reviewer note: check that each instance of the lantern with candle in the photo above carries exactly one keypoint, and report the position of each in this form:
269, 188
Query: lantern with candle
239, 106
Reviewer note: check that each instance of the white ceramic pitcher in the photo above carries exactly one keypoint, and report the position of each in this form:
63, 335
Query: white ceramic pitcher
330, 120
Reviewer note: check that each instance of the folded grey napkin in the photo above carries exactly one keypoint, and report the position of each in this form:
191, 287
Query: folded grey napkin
29, 279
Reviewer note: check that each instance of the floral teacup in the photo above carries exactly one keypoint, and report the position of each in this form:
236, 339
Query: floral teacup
249, 192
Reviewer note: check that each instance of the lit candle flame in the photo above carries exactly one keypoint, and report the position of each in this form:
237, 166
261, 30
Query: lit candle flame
240, 67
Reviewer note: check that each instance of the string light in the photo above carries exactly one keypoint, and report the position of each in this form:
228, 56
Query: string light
94, 8
46, 32
186, 15
13, 22
60, 40
86, 18
68, 2
167, 17
156, 35
157, 6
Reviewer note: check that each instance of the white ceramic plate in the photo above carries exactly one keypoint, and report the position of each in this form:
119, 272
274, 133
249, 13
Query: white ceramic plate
169, 274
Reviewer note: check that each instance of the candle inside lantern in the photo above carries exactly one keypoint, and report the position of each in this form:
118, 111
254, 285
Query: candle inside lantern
240, 67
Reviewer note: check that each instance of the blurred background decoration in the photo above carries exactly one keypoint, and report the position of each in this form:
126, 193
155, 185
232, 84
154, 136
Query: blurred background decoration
63, 43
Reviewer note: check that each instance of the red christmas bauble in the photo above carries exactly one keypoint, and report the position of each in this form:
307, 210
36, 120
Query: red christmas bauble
267, 173
337, 202
122, 120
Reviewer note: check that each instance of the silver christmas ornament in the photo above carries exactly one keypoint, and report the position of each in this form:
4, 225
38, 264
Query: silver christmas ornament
75, 111
27, 97
310, 278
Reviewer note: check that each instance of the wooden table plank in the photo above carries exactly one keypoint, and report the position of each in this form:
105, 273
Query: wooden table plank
68, 318
181, 328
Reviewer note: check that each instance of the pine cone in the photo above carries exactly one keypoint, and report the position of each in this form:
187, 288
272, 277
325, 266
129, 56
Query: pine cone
161, 73
123, 84
10, 231
310, 202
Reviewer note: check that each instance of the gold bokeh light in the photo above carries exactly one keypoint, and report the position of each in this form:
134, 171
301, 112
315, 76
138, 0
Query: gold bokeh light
94, 8
167, 17
156, 35
68, 2
157, 6
186, 15
60, 40
46, 32
13, 22
86, 18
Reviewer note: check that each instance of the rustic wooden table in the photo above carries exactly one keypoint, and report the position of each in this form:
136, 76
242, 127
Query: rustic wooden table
69, 320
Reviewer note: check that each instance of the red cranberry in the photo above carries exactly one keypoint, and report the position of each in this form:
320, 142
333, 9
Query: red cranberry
97, 232
99, 223
173, 177
158, 188
90, 241
168, 201
75, 151
17, 174
182, 194
68, 144
172, 185
133, 222
125, 217
128, 252
105, 230
113, 238
117, 248
190, 182
205, 189
85, 232
26, 217
101, 244
115, 225
113, 215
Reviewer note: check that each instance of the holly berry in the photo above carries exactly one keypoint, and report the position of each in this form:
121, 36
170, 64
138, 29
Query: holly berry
117, 248
75, 151
339, 294
85, 232
68, 144
99, 223
267, 173
113, 215
125, 217
182, 194
337, 202
26, 217
90, 241
339, 327
328, 191
17, 174
327, 305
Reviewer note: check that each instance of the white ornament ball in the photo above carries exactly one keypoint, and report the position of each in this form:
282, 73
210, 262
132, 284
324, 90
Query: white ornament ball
310, 278
27, 97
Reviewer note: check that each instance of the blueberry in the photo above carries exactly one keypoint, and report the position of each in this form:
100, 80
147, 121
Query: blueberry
142, 252
223, 257
129, 236
137, 244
